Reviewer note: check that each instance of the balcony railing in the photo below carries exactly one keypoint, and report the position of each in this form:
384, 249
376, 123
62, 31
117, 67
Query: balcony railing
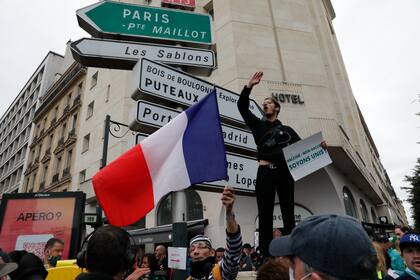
66, 109
60, 145
53, 121
76, 101
71, 137
47, 155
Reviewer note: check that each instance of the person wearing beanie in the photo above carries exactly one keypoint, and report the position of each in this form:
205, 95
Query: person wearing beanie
202, 254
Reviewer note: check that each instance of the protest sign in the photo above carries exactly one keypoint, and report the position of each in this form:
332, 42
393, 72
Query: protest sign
177, 257
306, 156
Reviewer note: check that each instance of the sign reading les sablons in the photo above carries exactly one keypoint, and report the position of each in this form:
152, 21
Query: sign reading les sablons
29, 220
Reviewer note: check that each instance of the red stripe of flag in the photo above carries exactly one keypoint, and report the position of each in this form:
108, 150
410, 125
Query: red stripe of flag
124, 188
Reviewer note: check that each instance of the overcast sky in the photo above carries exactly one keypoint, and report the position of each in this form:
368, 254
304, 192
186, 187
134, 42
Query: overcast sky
379, 41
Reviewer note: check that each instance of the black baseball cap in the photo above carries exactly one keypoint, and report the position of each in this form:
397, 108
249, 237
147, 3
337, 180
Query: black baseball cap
332, 244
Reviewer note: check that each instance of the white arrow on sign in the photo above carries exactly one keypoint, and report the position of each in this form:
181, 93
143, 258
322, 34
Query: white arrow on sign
157, 116
124, 55
166, 82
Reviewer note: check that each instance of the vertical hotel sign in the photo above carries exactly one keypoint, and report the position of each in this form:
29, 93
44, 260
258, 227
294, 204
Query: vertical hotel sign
116, 20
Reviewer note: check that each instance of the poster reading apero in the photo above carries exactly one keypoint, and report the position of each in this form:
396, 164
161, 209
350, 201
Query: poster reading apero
28, 220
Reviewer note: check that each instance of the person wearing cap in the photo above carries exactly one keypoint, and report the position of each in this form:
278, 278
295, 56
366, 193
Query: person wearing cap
6, 266
203, 264
328, 246
410, 250
271, 136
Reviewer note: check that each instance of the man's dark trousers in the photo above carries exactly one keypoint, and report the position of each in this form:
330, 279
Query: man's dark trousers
270, 180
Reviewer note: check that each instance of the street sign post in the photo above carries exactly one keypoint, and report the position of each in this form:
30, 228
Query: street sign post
93, 52
171, 84
116, 20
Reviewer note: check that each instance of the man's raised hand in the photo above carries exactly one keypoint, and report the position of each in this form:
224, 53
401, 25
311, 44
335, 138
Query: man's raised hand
255, 79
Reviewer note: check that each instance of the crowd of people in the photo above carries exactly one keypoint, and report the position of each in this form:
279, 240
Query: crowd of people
320, 247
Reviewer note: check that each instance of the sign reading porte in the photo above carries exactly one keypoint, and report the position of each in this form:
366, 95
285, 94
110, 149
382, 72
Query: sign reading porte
124, 54
110, 19
157, 116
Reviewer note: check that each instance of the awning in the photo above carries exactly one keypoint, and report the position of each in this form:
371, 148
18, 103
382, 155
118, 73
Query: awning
163, 234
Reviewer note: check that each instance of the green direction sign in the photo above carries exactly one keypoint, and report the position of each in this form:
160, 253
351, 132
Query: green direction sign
116, 20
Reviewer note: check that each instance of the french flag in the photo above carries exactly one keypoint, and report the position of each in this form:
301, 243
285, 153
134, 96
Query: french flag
186, 151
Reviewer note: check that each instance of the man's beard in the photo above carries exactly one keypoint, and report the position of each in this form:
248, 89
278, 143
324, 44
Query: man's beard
201, 269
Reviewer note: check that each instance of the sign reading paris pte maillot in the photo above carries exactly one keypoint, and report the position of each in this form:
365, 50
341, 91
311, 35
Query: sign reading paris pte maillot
116, 20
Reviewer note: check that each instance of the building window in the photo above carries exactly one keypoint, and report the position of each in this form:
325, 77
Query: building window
86, 143
63, 131
349, 203
94, 80
58, 165
55, 113
194, 208
69, 99
374, 217
50, 140
364, 211
69, 156
79, 88
73, 126
90, 110
82, 176
164, 213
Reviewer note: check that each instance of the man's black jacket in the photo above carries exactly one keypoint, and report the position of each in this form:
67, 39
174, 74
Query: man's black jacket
262, 127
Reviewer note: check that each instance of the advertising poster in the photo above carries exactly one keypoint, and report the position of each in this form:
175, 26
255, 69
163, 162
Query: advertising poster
29, 220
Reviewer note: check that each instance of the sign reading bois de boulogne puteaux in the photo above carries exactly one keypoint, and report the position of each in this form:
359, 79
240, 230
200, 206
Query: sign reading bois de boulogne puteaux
93, 52
109, 19
168, 83
157, 116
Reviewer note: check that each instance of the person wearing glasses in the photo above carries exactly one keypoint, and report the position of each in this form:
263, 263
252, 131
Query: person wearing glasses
202, 254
